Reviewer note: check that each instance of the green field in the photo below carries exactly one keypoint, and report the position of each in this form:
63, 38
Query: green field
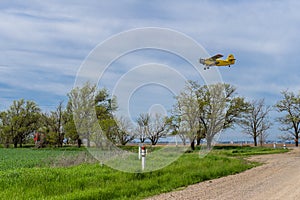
70, 173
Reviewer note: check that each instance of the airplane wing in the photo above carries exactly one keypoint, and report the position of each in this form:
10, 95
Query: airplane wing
215, 57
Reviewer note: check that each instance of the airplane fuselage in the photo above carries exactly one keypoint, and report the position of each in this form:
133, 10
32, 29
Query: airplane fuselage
220, 62
212, 61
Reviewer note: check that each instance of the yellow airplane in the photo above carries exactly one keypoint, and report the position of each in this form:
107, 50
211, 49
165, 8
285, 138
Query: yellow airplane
216, 61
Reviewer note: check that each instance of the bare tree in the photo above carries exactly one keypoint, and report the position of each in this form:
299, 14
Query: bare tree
290, 105
124, 131
263, 137
143, 121
256, 122
153, 127
158, 128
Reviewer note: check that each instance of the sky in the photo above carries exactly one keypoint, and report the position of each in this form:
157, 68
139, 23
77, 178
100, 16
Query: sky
44, 45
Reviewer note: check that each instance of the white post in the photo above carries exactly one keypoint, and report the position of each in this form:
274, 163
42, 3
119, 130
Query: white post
274, 145
176, 140
143, 157
139, 156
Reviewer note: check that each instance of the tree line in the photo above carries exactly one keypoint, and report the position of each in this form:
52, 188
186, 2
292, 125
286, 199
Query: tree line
200, 112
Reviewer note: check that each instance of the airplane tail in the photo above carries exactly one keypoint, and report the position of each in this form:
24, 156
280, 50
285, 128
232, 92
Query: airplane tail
231, 58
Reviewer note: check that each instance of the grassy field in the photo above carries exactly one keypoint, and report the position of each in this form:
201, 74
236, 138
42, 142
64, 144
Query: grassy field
58, 174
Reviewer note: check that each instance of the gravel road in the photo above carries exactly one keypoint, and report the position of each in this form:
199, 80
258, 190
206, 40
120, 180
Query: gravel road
277, 178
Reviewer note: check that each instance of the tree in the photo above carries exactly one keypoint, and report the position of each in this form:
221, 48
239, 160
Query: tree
206, 110
255, 121
5, 129
290, 105
152, 127
54, 123
219, 109
186, 114
104, 107
157, 128
90, 106
104, 104
176, 127
263, 137
212, 105
143, 121
69, 126
82, 104
124, 130
19, 121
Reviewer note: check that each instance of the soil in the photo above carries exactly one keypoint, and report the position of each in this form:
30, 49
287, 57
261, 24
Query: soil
277, 178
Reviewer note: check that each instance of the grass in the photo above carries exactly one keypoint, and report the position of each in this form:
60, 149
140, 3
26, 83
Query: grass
30, 157
243, 151
29, 179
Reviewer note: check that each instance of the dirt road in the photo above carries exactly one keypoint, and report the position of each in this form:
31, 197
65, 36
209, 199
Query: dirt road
278, 178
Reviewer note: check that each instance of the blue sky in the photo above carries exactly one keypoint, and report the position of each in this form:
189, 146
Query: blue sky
43, 44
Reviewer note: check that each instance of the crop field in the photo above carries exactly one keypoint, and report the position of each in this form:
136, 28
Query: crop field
70, 173
27, 158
